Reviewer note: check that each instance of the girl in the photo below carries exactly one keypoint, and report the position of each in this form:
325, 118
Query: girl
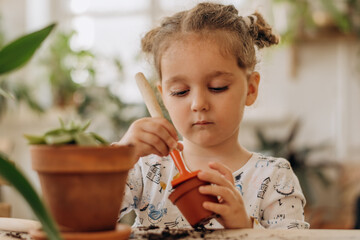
205, 59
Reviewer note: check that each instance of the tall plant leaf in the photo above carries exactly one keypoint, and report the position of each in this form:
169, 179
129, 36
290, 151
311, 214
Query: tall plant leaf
12, 175
19, 52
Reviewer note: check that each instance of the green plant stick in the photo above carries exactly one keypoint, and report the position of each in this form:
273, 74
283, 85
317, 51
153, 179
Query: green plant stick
18, 180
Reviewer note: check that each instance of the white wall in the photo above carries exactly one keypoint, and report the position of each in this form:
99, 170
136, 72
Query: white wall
324, 94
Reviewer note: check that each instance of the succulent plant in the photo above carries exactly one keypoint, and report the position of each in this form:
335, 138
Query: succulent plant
71, 133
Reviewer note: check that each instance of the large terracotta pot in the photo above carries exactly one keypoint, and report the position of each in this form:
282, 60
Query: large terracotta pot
189, 200
83, 186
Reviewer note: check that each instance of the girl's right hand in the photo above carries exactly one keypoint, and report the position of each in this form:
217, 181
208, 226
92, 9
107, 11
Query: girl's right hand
151, 136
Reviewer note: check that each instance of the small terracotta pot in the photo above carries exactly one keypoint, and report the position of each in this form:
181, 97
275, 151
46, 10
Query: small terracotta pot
83, 186
189, 200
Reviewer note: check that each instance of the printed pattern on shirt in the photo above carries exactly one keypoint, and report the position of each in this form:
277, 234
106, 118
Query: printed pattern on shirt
270, 190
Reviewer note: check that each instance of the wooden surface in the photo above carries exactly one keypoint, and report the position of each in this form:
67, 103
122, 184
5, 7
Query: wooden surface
245, 234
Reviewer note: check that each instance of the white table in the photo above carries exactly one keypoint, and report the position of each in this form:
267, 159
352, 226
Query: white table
247, 234
244, 234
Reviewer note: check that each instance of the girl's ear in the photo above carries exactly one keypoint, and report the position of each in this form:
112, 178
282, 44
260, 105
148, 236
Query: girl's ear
253, 87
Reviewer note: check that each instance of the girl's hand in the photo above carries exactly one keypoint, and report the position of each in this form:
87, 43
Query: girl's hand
151, 136
231, 206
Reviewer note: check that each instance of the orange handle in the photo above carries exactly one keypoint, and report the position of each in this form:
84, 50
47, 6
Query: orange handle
175, 155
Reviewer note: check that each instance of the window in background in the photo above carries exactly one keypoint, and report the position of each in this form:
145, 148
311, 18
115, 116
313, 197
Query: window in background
114, 28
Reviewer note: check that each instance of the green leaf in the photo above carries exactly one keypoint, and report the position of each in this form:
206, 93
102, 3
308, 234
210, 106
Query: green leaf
62, 124
55, 131
58, 139
32, 139
19, 52
18, 180
85, 139
98, 138
86, 125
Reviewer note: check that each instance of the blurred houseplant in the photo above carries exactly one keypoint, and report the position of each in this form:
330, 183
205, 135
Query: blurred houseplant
73, 82
13, 56
297, 156
320, 18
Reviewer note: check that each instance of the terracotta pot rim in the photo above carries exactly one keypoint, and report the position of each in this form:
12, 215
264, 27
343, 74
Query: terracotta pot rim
78, 159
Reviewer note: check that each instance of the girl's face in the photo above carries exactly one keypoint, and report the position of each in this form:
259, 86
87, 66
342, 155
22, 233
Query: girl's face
204, 91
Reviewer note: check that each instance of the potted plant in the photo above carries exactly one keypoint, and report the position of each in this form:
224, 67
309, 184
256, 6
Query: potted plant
60, 144
13, 56
82, 179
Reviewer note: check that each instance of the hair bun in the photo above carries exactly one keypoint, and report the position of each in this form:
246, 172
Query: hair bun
260, 31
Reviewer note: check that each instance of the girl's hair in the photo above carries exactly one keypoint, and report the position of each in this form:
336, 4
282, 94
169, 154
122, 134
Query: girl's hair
238, 34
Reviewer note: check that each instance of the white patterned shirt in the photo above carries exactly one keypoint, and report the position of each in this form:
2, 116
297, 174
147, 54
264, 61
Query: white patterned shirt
271, 193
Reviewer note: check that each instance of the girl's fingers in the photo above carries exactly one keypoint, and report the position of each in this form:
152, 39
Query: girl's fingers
144, 149
153, 141
223, 170
217, 208
180, 146
166, 125
158, 128
226, 194
215, 178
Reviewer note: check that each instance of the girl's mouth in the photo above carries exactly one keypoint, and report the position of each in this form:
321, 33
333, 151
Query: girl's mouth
202, 123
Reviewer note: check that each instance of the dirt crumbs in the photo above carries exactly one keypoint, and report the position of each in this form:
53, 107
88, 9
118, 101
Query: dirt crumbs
156, 233
16, 235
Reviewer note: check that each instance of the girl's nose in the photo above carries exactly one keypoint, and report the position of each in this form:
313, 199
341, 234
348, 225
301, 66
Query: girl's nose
199, 102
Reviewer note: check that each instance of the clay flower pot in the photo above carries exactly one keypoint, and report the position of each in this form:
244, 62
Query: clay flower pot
189, 200
83, 186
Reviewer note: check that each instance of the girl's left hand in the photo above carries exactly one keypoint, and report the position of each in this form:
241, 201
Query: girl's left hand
231, 205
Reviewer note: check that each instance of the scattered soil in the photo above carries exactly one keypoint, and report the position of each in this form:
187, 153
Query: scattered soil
15, 235
155, 233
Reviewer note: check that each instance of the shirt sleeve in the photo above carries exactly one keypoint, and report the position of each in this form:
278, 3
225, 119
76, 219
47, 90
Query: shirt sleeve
133, 190
284, 204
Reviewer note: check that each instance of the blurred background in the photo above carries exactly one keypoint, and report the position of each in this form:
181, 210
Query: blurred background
307, 111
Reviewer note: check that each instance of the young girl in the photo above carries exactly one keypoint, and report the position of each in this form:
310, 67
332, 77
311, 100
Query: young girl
205, 59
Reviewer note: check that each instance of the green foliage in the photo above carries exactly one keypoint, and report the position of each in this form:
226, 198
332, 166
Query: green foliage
18, 180
342, 17
72, 133
14, 56
62, 62
20, 51
63, 65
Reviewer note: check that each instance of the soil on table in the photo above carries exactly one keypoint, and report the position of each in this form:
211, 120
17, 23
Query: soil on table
156, 233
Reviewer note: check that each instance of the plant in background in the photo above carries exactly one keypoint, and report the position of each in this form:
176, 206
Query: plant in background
72, 80
13, 56
312, 18
297, 156
75, 82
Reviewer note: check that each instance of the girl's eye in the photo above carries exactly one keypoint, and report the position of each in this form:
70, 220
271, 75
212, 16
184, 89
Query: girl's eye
219, 89
179, 93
